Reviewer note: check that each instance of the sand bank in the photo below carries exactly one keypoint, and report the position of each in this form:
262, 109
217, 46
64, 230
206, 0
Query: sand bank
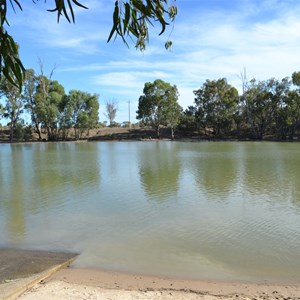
95, 284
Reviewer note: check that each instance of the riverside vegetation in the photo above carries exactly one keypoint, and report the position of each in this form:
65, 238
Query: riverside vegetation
267, 109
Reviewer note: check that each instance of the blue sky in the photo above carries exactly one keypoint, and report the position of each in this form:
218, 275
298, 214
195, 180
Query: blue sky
211, 39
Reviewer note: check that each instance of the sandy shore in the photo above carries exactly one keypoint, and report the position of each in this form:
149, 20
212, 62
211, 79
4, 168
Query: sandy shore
96, 284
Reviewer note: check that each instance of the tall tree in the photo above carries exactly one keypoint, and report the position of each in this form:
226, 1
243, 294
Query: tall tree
216, 102
173, 113
158, 106
48, 100
32, 105
291, 109
262, 100
131, 20
14, 104
111, 111
80, 110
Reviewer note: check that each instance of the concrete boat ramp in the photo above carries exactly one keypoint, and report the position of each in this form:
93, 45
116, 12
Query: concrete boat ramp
22, 269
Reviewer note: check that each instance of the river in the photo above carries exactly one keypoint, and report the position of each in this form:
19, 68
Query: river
207, 210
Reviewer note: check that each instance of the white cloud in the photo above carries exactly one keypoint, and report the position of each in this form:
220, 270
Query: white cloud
42, 29
208, 43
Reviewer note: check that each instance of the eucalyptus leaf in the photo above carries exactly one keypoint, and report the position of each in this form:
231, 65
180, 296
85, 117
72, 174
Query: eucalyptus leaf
131, 22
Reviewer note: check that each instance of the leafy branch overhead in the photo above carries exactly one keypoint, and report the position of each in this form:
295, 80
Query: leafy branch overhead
131, 19
11, 66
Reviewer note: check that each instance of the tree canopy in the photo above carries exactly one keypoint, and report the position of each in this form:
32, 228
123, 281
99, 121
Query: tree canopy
159, 105
131, 20
216, 104
58, 115
13, 105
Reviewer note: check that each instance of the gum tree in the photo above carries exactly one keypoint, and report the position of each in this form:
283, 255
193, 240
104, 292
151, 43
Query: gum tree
291, 108
14, 104
49, 96
29, 94
216, 103
158, 105
80, 111
265, 101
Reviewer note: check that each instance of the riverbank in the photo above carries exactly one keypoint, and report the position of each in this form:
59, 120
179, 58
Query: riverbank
110, 134
136, 134
75, 283
26, 275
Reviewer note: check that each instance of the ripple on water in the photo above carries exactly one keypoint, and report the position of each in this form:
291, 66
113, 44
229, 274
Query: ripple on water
190, 210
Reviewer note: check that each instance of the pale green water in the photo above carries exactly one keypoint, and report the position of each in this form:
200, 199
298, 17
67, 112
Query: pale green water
194, 210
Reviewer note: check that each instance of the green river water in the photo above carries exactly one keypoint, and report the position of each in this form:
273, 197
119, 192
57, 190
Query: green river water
207, 210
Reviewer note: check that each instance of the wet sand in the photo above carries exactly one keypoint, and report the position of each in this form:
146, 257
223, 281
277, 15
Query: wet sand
96, 284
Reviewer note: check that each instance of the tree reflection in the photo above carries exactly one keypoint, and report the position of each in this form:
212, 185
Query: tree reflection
69, 164
266, 172
159, 170
215, 169
41, 177
13, 193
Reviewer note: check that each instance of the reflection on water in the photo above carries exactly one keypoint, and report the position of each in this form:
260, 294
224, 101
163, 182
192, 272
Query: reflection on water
159, 170
215, 169
199, 210
15, 211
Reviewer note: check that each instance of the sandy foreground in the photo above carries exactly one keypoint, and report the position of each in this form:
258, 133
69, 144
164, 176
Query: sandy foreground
95, 284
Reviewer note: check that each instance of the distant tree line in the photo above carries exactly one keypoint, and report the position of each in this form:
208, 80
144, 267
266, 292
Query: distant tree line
267, 109
51, 110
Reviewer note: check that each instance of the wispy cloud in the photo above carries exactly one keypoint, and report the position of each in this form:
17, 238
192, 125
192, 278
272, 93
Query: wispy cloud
211, 39
42, 28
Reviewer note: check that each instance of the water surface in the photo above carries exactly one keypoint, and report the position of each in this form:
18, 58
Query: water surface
193, 210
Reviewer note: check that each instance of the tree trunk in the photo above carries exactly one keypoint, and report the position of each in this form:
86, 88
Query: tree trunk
157, 132
49, 133
37, 128
11, 132
38, 131
172, 133
12, 126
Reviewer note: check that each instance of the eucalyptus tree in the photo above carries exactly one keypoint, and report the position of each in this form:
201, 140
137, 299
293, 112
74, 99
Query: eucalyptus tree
32, 104
280, 90
48, 97
14, 104
159, 105
80, 111
263, 101
131, 21
291, 109
173, 113
291, 115
216, 103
